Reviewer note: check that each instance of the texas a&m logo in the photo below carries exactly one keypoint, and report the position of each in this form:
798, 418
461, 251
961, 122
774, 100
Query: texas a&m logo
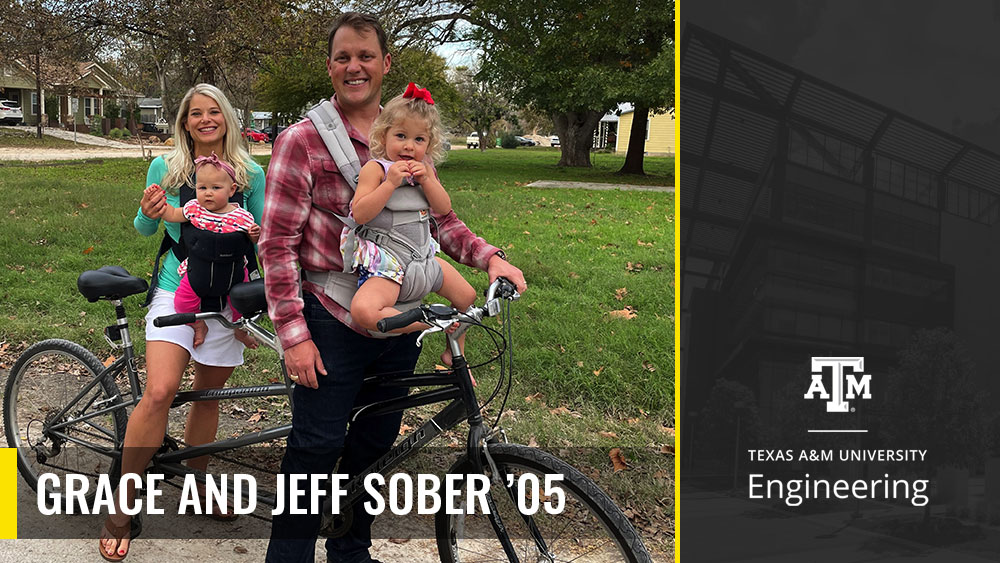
843, 384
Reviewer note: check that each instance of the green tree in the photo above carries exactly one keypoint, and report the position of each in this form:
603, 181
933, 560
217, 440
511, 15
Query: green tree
933, 404
46, 36
483, 104
576, 59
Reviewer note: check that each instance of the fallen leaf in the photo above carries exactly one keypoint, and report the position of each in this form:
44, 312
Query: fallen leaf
560, 410
608, 434
579, 364
109, 361
399, 540
255, 417
240, 549
532, 443
633, 421
627, 313
404, 428
620, 293
530, 398
88, 250
574, 275
661, 474
647, 244
648, 366
598, 371
618, 460
667, 430
667, 449
84, 205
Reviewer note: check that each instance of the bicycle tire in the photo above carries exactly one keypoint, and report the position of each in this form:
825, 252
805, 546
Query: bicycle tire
589, 512
45, 378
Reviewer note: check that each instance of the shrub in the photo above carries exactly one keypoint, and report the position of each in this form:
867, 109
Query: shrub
95, 126
508, 141
115, 133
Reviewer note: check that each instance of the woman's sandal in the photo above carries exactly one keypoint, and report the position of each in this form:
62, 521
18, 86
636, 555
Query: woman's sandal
117, 533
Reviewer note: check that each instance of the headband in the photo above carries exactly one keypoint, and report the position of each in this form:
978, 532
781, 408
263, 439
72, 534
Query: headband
418, 93
215, 161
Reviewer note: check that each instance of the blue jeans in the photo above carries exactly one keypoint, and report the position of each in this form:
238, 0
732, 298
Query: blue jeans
321, 435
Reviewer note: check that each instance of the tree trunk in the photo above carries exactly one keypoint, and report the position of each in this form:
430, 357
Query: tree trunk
576, 136
636, 142
38, 90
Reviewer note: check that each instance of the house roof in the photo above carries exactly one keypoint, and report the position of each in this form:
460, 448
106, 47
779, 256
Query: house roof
149, 103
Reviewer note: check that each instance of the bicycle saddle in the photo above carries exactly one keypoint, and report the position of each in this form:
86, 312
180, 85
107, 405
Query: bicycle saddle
109, 282
248, 298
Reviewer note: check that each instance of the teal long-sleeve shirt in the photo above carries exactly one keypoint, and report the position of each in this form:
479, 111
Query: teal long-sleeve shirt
253, 197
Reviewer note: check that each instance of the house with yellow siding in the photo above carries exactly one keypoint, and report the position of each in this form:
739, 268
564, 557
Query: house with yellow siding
660, 138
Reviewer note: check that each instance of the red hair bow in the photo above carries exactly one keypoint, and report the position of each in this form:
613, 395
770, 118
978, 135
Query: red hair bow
416, 92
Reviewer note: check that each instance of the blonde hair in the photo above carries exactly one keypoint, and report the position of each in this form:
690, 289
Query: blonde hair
398, 109
180, 161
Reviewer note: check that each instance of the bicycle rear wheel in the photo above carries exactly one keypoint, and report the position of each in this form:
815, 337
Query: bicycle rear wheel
589, 528
45, 380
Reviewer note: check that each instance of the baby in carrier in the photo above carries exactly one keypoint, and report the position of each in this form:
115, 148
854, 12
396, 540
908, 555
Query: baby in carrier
391, 249
217, 243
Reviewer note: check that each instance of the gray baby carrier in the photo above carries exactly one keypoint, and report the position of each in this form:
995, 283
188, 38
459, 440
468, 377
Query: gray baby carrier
402, 228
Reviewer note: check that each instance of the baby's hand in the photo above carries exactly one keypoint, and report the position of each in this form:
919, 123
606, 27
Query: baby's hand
153, 201
254, 233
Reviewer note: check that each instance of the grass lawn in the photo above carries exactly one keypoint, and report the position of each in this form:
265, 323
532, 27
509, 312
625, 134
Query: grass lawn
588, 373
18, 138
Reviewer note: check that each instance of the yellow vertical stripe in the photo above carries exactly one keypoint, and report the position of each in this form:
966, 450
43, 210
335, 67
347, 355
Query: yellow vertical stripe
8, 493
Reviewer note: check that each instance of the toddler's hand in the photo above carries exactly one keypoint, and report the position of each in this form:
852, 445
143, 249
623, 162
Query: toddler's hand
254, 233
418, 170
397, 173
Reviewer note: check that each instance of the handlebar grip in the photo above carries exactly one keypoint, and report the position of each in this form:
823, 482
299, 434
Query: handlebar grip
174, 320
399, 321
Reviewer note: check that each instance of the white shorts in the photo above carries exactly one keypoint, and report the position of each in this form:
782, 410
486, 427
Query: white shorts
220, 349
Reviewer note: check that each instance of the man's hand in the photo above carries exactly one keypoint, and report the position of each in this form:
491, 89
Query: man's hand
153, 202
303, 363
498, 267
254, 233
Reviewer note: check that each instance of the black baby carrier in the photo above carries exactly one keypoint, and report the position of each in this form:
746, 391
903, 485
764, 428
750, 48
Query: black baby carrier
215, 260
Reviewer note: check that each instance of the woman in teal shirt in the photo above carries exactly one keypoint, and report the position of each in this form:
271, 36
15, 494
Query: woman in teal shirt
206, 123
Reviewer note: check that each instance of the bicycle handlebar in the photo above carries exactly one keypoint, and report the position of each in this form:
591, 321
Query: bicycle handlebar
440, 316
174, 320
405, 318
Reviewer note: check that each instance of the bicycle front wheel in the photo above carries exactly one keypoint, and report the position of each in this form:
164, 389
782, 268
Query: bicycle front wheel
590, 527
49, 378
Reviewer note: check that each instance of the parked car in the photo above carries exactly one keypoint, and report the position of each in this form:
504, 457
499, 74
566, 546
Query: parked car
272, 131
524, 141
150, 128
256, 136
10, 113
472, 141
554, 141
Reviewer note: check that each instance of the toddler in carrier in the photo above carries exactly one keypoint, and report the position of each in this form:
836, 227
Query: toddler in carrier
217, 244
391, 249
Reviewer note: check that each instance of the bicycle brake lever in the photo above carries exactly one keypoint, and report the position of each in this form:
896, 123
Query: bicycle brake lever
431, 330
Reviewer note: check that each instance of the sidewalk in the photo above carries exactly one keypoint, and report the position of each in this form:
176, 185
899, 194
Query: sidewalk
81, 138
598, 186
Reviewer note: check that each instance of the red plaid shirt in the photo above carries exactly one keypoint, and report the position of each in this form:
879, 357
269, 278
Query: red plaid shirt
301, 177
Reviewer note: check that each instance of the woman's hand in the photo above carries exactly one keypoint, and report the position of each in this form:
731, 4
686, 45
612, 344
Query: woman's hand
153, 202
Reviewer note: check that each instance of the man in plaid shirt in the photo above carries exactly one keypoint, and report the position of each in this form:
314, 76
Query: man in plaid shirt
325, 352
